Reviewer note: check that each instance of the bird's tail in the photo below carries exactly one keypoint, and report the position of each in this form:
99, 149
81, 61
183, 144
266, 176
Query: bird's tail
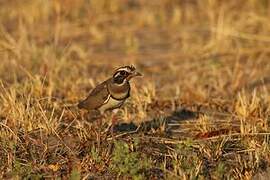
81, 105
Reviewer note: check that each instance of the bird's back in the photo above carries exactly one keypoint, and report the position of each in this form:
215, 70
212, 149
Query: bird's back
96, 98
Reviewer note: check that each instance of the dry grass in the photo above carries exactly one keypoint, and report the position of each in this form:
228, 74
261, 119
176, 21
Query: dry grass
203, 105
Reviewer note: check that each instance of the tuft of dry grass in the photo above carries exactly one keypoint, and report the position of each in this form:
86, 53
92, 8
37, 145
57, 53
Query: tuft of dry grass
201, 110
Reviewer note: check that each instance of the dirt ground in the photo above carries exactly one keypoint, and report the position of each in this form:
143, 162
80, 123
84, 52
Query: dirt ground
201, 110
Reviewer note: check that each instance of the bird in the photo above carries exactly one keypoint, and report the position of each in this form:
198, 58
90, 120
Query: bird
112, 93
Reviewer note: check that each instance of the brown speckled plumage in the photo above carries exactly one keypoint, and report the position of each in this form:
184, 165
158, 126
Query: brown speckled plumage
111, 93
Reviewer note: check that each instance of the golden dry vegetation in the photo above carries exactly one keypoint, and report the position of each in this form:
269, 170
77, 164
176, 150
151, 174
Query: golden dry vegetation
201, 111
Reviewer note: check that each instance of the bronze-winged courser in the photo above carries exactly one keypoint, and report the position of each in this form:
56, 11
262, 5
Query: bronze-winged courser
112, 93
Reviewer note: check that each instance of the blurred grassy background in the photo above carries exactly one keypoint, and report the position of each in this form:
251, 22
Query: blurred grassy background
209, 52
199, 43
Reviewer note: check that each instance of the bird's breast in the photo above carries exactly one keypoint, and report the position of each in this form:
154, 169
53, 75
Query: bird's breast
119, 92
111, 104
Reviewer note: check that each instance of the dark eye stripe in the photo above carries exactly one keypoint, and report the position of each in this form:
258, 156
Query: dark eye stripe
120, 73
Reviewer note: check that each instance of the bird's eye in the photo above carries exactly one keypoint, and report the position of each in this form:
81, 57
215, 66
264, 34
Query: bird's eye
123, 73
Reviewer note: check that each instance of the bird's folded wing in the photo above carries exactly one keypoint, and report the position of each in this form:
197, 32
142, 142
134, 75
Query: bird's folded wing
96, 98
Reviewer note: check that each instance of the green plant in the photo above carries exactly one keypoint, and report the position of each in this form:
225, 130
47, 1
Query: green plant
75, 175
127, 162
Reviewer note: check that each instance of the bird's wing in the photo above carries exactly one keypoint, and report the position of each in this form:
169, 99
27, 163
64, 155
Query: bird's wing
96, 98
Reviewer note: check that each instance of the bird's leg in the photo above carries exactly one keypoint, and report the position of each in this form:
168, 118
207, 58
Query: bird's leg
112, 123
108, 127
114, 120
99, 130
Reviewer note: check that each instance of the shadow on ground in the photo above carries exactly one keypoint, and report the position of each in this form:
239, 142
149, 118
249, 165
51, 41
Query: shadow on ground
155, 123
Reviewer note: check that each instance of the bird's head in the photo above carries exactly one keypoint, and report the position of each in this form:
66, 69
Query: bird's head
125, 73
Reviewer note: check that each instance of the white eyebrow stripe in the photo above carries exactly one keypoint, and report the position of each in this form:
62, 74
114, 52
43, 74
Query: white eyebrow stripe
123, 69
116, 74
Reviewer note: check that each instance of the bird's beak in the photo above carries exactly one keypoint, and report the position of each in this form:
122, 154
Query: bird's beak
137, 74
134, 74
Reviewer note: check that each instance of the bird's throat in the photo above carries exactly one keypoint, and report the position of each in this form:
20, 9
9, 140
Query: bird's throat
119, 91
